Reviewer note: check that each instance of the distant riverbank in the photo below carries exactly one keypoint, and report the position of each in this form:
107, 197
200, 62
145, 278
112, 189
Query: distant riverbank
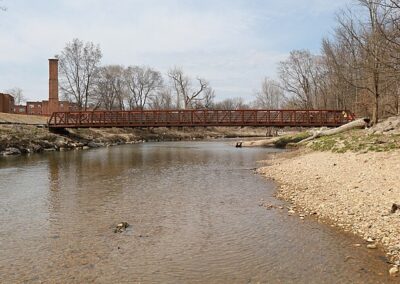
18, 139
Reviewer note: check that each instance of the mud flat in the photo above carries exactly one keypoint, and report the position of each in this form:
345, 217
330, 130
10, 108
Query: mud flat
354, 191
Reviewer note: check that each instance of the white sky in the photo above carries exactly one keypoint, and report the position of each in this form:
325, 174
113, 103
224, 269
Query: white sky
231, 43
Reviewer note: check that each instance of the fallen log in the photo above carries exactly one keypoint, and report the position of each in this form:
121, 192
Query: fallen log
356, 124
278, 142
261, 143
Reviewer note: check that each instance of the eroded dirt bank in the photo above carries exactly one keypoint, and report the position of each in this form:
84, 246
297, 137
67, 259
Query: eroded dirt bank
355, 191
21, 139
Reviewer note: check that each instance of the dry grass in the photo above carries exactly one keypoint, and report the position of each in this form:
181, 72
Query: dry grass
8, 118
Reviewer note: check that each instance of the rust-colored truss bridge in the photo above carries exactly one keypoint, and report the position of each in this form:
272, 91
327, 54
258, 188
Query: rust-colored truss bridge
203, 118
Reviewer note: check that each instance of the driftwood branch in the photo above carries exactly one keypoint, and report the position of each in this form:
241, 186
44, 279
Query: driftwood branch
359, 123
261, 143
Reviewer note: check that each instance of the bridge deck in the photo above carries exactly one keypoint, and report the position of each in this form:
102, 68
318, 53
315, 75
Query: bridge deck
191, 118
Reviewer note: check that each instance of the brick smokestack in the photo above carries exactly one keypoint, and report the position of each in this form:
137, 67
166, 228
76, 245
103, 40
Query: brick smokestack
53, 86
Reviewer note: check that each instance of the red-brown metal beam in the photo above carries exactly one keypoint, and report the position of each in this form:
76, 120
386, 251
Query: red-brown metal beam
190, 118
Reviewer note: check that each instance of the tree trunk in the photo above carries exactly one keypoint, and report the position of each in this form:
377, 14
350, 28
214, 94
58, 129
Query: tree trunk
359, 123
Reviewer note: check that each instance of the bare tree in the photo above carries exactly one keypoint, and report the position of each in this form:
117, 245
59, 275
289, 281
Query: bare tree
232, 104
341, 57
142, 82
111, 90
162, 100
79, 65
18, 95
270, 96
184, 90
390, 31
297, 75
361, 36
207, 100
209, 97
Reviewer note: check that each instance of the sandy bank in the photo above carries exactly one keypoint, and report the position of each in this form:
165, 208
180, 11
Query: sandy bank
355, 191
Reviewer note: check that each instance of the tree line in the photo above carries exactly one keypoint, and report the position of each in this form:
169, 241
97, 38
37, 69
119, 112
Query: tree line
115, 87
357, 70
84, 81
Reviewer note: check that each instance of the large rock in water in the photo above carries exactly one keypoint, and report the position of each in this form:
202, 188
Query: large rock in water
11, 151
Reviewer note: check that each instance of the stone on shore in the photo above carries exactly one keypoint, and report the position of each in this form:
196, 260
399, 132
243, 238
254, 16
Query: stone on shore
357, 194
11, 151
394, 271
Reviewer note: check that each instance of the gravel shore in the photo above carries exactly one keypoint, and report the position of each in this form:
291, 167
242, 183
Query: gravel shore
355, 191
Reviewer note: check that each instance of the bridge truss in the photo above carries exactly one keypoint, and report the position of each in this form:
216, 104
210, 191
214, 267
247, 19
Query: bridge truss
202, 118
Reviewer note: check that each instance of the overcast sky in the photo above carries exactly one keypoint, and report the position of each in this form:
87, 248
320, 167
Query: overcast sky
231, 43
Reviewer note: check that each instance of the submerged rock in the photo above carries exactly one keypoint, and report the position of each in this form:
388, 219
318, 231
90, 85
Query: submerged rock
11, 151
121, 227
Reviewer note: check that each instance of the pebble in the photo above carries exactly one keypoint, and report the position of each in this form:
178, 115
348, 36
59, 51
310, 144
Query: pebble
349, 195
121, 227
394, 271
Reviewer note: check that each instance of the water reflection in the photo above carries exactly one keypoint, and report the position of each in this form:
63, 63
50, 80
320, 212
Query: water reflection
194, 213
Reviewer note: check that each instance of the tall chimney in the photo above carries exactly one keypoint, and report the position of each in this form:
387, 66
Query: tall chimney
53, 86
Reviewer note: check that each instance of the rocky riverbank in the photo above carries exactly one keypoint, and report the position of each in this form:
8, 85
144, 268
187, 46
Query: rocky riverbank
18, 139
349, 180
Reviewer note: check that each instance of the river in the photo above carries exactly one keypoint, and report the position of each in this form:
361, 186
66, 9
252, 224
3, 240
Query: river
194, 215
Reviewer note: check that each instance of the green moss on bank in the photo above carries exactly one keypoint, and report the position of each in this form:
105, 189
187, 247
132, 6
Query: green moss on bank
356, 141
288, 139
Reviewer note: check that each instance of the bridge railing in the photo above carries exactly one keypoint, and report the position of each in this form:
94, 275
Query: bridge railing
180, 118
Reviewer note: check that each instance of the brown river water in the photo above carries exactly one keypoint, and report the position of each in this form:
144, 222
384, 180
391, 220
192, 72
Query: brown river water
194, 213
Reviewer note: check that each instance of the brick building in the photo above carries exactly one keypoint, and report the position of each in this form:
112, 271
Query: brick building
34, 108
19, 109
6, 103
40, 107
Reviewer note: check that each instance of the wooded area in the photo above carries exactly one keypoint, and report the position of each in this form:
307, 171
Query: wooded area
357, 69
